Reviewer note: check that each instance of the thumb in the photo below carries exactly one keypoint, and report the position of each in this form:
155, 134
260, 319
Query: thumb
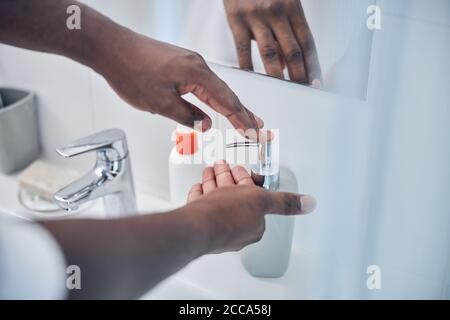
285, 203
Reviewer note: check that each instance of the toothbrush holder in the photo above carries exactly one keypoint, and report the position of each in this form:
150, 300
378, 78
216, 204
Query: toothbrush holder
19, 131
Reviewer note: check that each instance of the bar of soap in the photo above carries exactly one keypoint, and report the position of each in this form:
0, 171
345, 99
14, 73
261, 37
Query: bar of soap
45, 179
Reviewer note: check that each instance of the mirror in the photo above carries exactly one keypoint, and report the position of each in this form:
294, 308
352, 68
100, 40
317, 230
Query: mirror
216, 28
339, 28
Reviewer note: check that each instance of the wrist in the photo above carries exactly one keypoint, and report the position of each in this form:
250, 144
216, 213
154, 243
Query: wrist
198, 227
98, 44
103, 41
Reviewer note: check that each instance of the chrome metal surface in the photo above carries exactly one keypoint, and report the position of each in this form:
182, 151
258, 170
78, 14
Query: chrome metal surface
266, 172
110, 179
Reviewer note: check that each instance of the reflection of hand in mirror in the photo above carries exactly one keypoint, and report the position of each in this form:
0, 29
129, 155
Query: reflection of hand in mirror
282, 34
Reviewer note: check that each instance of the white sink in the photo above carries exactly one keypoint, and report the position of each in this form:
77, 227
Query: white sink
210, 277
218, 277
10, 204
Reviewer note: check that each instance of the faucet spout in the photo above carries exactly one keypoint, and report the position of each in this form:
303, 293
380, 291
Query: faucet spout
86, 189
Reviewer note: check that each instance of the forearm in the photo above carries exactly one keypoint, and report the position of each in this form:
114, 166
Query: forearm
41, 26
125, 258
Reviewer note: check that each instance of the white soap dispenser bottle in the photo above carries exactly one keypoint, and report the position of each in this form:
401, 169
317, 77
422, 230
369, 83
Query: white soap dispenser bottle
269, 258
185, 164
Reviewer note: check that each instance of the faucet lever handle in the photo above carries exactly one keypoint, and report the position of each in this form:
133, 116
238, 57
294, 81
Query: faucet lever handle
109, 144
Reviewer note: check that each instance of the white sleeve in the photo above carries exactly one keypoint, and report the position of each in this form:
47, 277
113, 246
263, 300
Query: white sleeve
32, 265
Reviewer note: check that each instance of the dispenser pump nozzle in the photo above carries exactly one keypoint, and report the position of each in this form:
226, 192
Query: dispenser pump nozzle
264, 173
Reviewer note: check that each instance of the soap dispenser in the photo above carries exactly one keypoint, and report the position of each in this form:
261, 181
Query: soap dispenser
269, 258
185, 164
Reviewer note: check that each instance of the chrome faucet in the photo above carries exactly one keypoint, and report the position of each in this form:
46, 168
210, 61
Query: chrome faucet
110, 179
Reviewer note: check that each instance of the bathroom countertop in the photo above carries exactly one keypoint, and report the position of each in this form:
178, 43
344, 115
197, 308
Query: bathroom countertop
10, 204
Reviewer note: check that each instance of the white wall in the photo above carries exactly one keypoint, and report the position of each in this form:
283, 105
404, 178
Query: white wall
409, 231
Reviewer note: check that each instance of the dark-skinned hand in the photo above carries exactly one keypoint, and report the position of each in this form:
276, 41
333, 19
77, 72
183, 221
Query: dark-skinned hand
283, 36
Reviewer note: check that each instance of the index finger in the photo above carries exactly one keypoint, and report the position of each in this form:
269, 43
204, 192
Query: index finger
242, 39
215, 93
268, 48
308, 46
292, 52
284, 203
